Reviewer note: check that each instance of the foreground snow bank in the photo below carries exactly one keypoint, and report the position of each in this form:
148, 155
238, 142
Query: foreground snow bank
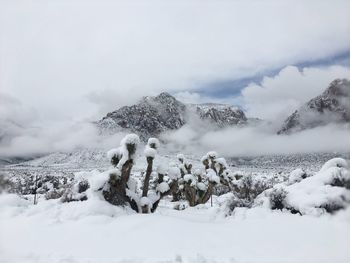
96, 232
325, 192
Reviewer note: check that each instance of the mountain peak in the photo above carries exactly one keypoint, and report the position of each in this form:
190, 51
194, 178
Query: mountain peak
153, 115
164, 95
338, 87
332, 106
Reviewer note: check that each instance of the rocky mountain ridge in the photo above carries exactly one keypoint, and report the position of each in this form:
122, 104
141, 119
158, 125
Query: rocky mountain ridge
154, 115
332, 106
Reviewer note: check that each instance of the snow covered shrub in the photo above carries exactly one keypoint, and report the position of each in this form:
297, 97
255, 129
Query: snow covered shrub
221, 190
54, 194
325, 192
50, 186
277, 198
197, 187
235, 202
56, 187
77, 192
248, 187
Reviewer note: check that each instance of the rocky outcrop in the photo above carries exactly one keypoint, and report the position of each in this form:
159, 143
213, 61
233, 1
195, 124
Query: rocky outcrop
220, 114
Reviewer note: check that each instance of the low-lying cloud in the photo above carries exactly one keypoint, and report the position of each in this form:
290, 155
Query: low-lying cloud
258, 140
55, 137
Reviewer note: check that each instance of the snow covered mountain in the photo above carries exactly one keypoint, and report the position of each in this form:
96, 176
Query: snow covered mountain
153, 115
332, 106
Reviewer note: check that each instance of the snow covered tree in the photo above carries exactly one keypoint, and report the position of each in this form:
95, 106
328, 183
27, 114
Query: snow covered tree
198, 186
122, 158
150, 153
178, 180
120, 188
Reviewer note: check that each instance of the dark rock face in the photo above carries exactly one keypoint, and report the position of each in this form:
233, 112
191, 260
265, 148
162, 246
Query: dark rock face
221, 115
148, 118
153, 115
332, 106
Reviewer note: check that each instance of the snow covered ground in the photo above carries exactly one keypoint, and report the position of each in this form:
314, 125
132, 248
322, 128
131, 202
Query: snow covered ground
95, 231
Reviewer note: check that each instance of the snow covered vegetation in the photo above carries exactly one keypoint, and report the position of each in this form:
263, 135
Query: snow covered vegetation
326, 192
186, 195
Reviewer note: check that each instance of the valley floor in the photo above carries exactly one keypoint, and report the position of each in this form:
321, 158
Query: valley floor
96, 232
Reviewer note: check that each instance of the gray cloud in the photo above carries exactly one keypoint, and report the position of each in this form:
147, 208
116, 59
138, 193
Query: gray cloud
56, 137
55, 53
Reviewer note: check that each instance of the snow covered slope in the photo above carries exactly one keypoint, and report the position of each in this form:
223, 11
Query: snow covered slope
333, 105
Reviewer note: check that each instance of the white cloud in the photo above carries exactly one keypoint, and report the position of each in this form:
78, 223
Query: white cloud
56, 137
277, 97
256, 141
195, 98
54, 53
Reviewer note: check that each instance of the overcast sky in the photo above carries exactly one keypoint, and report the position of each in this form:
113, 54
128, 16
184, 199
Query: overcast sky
78, 59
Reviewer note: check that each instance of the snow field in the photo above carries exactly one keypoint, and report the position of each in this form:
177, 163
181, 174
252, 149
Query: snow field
95, 231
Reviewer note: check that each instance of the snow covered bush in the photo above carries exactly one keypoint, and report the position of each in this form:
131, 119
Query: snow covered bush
325, 192
235, 202
197, 186
77, 192
246, 188
36, 184
277, 198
